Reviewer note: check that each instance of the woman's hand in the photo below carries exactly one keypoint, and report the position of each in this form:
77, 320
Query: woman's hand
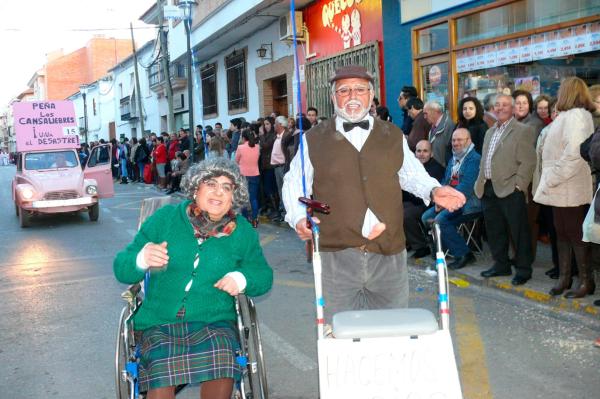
228, 285
156, 255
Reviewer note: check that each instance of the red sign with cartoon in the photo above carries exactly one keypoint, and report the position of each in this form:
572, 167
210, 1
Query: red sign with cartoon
337, 25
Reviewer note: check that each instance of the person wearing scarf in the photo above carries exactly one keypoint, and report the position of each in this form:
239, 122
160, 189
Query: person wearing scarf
461, 173
200, 254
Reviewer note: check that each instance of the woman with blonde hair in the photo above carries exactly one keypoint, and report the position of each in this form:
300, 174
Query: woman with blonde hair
566, 183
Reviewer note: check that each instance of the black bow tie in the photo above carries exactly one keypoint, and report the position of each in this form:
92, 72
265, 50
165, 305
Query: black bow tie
351, 125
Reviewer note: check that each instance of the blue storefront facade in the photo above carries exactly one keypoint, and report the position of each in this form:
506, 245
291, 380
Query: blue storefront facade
459, 47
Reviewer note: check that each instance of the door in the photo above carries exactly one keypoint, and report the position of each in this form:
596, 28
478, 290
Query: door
98, 168
435, 83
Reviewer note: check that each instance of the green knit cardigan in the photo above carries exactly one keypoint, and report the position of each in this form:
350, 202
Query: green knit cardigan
165, 294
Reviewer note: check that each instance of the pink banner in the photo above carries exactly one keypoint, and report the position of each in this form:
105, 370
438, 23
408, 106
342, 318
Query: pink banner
44, 125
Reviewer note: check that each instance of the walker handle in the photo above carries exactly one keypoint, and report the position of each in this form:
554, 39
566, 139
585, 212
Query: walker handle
311, 207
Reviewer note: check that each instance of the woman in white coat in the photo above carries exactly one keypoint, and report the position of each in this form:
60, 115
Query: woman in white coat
566, 183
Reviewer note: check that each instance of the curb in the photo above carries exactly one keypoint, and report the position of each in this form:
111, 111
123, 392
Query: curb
558, 303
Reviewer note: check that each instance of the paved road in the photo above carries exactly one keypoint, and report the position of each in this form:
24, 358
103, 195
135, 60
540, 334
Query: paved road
60, 305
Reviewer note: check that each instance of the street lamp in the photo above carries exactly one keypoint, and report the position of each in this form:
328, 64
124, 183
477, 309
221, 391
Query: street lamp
186, 7
83, 90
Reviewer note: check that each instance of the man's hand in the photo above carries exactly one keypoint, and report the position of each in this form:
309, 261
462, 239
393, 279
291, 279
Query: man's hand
376, 231
303, 231
448, 198
228, 285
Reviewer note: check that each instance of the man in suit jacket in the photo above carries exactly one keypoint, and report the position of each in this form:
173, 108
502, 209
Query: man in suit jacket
420, 127
441, 130
461, 173
507, 163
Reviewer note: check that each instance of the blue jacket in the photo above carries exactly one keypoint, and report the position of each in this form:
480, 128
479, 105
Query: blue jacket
467, 174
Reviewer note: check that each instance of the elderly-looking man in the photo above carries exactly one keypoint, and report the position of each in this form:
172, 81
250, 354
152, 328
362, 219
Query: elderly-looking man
441, 130
359, 166
461, 173
507, 162
280, 158
414, 206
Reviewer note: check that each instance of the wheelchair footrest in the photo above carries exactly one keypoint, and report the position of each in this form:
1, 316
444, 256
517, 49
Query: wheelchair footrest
384, 323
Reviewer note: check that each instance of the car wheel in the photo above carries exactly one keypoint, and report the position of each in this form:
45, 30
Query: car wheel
94, 212
24, 218
16, 209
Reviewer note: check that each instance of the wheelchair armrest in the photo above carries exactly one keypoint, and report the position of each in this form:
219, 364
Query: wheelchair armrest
132, 294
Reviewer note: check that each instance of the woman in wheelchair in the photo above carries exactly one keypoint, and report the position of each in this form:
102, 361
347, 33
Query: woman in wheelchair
200, 254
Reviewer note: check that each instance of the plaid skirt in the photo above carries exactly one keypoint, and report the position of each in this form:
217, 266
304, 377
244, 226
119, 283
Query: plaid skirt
187, 353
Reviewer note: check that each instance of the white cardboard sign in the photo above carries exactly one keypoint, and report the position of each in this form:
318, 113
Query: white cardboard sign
389, 368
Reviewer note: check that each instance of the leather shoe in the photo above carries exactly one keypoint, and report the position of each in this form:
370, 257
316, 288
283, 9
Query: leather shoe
518, 280
421, 253
462, 261
494, 273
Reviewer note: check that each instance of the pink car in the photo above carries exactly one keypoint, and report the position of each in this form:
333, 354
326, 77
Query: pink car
53, 181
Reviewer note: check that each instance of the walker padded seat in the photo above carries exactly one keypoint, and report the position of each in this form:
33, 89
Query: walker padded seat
384, 323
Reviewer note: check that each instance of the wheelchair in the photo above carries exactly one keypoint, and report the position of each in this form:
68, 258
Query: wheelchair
249, 356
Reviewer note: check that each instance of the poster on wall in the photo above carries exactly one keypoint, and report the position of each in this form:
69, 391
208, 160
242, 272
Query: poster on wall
502, 53
552, 40
594, 36
490, 56
525, 49
471, 59
539, 47
480, 57
581, 42
513, 51
566, 41
530, 84
461, 61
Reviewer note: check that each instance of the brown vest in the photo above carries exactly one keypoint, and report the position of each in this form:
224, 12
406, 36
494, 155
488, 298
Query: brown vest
352, 182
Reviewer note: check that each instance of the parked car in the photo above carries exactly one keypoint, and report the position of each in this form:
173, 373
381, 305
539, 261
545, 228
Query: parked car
54, 181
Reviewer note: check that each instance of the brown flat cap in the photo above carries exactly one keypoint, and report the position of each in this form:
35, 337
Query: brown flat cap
352, 71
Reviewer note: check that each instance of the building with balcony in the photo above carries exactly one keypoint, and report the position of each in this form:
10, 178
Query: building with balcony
232, 78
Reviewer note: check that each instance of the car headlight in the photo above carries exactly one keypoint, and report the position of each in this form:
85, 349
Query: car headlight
27, 193
91, 190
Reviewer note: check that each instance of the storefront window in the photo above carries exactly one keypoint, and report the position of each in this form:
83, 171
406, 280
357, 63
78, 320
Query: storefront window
433, 38
538, 77
520, 16
435, 83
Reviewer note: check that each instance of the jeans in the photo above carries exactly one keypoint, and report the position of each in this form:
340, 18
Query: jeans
141, 166
253, 184
449, 222
123, 168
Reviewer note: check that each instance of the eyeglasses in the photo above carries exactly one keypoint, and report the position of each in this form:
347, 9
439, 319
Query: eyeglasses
214, 185
345, 91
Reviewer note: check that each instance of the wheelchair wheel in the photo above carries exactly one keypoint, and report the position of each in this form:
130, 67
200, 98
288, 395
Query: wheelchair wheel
121, 357
254, 385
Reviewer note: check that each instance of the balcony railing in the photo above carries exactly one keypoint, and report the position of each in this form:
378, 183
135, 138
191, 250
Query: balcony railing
156, 76
127, 108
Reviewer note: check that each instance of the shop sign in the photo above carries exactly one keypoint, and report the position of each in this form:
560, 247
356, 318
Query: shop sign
336, 25
574, 40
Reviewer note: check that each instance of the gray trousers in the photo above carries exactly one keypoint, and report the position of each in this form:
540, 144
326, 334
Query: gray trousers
357, 280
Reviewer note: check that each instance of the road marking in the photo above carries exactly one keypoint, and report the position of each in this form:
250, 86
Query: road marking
267, 238
473, 371
131, 232
60, 260
286, 350
55, 283
294, 283
117, 219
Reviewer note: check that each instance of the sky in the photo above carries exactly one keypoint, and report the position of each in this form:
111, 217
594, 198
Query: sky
32, 28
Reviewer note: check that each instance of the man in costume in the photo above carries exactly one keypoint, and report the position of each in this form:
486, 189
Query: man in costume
359, 165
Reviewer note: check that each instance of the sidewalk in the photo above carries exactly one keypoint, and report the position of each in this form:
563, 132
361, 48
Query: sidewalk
535, 289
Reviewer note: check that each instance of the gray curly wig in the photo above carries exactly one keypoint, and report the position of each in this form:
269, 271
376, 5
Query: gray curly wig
212, 168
